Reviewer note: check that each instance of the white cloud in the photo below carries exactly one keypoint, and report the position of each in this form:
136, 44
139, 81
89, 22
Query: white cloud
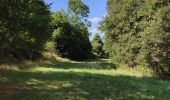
95, 19
94, 31
105, 15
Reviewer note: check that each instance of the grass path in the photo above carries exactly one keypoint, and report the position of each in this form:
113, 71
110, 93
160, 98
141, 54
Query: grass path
68, 80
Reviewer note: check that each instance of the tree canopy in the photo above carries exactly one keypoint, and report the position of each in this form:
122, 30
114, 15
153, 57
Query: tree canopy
137, 33
97, 46
78, 8
71, 32
24, 28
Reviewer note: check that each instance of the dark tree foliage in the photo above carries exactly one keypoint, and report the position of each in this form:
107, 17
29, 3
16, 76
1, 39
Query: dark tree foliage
97, 46
71, 33
71, 36
137, 33
24, 28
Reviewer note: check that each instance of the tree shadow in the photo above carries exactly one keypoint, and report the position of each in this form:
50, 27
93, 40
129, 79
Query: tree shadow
16, 85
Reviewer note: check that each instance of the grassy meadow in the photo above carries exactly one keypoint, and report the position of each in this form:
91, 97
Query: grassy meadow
91, 80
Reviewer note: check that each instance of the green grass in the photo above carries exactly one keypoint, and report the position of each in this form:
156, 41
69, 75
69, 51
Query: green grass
69, 80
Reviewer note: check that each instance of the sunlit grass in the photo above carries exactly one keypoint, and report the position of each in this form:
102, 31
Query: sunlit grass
71, 80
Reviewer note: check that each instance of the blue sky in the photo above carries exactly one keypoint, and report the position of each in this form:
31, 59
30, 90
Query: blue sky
97, 11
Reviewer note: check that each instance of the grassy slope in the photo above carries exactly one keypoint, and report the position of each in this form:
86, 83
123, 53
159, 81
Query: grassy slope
68, 80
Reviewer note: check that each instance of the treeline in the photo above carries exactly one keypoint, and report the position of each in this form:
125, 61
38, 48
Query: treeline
24, 28
28, 29
137, 33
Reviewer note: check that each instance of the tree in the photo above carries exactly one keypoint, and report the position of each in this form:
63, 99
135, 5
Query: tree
24, 28
78, 8
97, 46
70, 32
137, 33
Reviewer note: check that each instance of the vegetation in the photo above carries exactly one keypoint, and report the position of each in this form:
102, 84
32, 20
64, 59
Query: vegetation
24, 28
70, 32
137, 33
36, 42
97, 46
72, 80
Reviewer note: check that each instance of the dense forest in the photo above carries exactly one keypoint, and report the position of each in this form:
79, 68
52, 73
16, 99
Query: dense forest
136, 42
26, 26
137, 33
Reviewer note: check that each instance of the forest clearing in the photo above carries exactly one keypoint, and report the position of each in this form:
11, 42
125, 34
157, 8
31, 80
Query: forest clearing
84, 49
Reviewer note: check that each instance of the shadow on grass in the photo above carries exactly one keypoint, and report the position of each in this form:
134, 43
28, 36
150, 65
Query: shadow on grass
16, 85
